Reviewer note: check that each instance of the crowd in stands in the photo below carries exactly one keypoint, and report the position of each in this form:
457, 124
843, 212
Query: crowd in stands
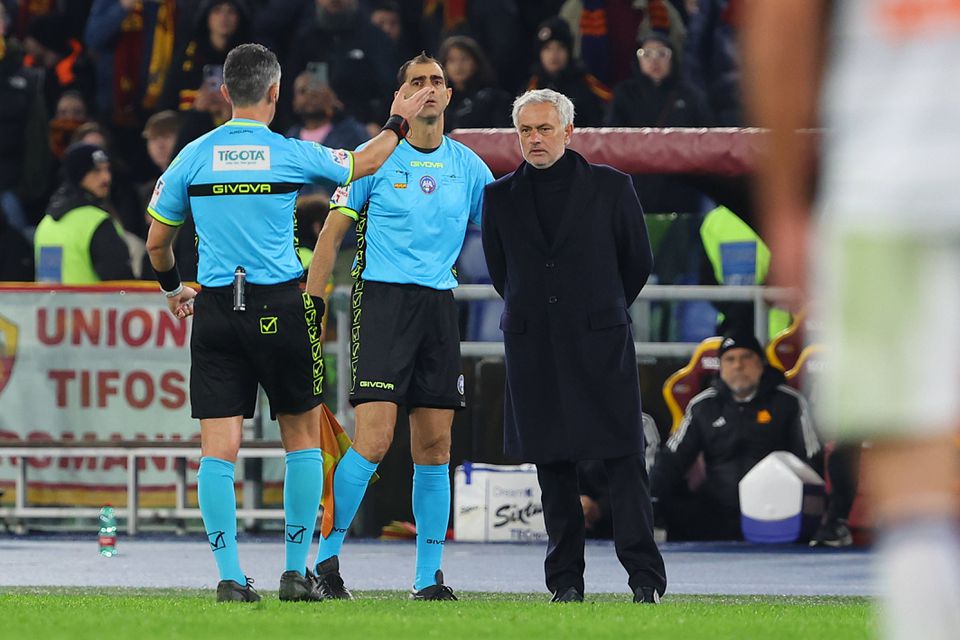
139, 79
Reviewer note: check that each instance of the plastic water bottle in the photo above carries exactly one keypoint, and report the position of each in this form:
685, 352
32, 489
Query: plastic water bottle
108, 532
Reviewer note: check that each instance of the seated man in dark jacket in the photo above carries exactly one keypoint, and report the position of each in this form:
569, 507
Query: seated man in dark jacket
748, 413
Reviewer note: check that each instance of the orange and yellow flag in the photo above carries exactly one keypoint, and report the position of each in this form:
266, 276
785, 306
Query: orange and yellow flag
334, 442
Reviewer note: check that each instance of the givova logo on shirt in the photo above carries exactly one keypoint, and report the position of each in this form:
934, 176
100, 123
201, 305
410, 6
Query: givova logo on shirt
241, 158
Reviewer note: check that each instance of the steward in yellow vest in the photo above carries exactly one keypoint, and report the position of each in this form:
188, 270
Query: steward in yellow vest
77, 242
736, 255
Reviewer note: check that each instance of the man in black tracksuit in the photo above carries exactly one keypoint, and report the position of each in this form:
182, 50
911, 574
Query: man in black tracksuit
748, 413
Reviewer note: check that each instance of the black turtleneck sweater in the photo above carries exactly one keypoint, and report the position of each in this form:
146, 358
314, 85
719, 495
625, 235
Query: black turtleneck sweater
551, 191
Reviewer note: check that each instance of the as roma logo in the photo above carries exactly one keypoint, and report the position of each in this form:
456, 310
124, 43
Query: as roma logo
8, 350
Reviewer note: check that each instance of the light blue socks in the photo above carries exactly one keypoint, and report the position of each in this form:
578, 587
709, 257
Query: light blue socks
350, 482
302, 488
218, 506
431, 510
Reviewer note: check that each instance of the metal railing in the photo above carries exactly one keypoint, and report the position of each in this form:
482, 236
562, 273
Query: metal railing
761, 297
132, 453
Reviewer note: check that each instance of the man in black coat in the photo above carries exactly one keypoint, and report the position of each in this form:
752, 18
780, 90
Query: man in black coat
566, 246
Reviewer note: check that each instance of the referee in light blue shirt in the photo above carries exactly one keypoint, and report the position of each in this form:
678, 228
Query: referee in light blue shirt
253, 326
411, 217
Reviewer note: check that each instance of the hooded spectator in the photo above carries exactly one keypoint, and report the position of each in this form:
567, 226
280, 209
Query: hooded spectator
77, 241
559, 70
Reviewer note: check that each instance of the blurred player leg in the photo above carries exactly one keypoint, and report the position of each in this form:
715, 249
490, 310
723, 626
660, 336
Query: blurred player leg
891, 316
919, 547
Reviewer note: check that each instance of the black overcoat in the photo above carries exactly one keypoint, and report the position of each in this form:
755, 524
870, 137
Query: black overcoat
572, 389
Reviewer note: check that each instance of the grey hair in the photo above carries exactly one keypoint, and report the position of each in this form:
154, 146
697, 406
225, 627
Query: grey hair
249, 71
561, 103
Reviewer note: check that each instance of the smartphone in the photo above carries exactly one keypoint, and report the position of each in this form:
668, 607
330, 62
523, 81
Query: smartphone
319, 72
213, 76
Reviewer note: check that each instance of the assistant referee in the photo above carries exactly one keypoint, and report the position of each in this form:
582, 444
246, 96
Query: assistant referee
411, 217
253, 325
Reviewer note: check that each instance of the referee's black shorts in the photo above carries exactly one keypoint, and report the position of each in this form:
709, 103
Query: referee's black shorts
274, 343
405, 346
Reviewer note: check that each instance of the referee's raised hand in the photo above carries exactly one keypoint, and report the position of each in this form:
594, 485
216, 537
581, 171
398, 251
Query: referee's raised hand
407, 105
404, 108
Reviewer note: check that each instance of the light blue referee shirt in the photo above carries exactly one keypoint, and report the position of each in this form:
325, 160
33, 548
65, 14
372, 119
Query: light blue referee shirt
241, 182
412, 213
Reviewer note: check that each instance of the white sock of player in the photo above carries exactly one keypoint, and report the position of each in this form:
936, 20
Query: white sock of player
919, 576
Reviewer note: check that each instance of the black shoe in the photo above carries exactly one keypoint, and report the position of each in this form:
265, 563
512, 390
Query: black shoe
570, 594
296, 588
329, 583
833, 534
231, 591
647, 595
438, 591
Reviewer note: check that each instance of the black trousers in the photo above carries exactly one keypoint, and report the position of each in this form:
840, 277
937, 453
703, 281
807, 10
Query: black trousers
632, 524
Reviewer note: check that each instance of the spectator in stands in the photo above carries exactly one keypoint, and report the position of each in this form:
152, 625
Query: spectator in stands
321, 114
134, 46
605, 32
322, 119
657, 95
748, 413
24, 150
24, 12
77, 242
712, 59
361, 59
123, 202
557, 69
16, 252
193, 83
71, 106
276, 20
59, 58
477, 101
69, 113
387, 17
162, 133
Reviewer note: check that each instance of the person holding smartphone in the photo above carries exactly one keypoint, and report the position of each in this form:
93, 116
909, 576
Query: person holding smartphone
193, 83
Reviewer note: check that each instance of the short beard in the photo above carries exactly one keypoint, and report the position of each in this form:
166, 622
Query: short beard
430, 120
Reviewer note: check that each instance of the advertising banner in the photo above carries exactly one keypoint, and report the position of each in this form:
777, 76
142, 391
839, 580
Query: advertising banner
93, 363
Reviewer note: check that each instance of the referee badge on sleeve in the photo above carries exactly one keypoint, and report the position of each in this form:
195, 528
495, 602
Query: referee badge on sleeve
340, 196
157, 191
341, 157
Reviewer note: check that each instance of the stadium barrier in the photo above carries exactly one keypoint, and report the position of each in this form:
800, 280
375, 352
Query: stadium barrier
94, 401
132, 453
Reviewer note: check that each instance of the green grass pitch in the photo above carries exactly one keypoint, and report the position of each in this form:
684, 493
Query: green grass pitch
34, 613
